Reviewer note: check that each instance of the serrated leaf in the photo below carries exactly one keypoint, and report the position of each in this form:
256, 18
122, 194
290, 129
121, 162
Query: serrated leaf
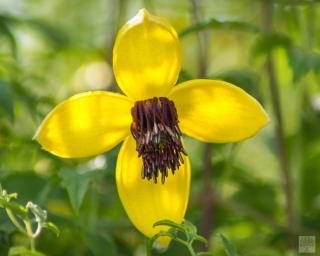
268, 42
22, 251
228, 246
6, 101
214, 23
77, 184
52, 227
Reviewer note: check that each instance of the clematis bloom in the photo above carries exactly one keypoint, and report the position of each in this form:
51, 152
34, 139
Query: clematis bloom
150, 118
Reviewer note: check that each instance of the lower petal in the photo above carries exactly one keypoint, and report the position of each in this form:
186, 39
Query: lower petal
146, 202
217, 111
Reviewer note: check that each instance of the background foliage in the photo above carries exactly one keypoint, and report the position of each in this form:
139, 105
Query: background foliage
50, 50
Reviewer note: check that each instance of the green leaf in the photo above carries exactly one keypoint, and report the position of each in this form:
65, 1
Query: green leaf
184, 76
52, 227
14, 207
55, 36
6, 101
76, 183
190, 229
243, 78
228, 246
186, 227
204, 254
200, 239
302, 62
169, 223
214, 24
270, 41
98, 242
22, 251
151, 240
39, 213
6, 31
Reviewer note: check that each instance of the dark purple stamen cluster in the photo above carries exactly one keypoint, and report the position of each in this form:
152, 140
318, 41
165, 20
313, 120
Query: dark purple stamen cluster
158, 137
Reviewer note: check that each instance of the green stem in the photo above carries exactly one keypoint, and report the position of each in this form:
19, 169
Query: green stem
186, 244
15, 221
207, 205
30, 235
148, 247
267, 11
192, 252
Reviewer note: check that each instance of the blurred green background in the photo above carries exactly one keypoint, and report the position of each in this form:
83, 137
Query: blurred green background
50, 50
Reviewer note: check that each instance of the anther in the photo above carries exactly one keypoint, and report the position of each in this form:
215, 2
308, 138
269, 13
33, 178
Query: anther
158, 137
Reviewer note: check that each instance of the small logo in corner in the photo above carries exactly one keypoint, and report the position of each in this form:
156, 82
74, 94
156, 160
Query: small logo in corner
307, 244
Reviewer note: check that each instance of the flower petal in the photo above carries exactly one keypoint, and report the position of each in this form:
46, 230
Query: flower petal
146, 202
146, 56
217, 111
86, 124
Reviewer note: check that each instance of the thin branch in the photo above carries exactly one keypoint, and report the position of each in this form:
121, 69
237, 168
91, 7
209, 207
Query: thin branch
118, 10
267, 11
207, 204
202, 38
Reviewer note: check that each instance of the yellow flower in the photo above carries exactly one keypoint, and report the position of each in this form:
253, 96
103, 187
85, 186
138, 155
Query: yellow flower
146, 62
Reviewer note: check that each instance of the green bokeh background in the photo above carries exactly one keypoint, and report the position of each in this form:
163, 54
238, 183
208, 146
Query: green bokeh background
50, 50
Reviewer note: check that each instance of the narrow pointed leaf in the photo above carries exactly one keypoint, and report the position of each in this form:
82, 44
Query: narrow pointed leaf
268, 42
77, 184
201, 239
52, 227
169, 223
214, 24
19, 251
14, 207
6, 101
204, 254
228, 246
6, 31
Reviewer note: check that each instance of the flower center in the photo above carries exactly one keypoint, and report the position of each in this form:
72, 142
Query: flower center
158, 137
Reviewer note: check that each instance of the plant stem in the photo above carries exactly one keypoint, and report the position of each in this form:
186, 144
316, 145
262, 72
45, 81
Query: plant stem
207, 207
118, 10
192, 252
15, 221
186, 244
267, 11
30, 235
202, 39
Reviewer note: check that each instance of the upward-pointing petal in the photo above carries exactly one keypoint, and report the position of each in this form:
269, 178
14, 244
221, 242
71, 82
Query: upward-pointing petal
146, 56
86, 124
